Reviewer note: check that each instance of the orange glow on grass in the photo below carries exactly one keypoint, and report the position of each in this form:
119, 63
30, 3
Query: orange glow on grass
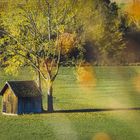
136, 83
101, 136
86, 78
85, 75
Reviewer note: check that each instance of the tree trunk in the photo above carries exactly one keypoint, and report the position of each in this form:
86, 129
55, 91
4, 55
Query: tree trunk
40, 84
40, 88
50, 97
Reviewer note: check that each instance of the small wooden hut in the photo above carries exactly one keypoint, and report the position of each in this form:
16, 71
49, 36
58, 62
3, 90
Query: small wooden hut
21, 97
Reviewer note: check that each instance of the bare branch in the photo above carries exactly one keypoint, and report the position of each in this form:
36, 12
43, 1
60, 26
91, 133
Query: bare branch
33, 64
58, 65
49, 19
47, 69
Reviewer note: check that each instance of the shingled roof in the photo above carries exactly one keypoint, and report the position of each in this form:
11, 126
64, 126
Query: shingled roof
22, 88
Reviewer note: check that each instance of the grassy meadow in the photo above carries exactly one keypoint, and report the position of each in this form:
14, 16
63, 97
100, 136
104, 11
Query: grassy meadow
115, 88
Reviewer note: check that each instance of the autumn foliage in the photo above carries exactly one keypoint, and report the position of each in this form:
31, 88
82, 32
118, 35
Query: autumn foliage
133, 10
66, 41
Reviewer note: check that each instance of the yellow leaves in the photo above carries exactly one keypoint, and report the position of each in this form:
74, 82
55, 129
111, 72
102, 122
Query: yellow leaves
13, 65
41, 22
66, 41
15, 31
3, 6
61, 29
12, 21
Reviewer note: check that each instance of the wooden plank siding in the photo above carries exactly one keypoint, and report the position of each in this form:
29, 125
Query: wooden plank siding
21, 97
10, 102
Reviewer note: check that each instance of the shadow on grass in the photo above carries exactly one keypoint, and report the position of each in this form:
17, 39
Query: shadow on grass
91, 110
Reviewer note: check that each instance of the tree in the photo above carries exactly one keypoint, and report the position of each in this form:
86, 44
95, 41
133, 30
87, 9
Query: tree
37, 33
102, 27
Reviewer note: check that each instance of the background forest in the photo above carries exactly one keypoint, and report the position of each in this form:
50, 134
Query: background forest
108, 31
84, 56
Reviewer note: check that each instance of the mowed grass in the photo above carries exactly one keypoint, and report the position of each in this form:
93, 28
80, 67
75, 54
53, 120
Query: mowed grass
113, 87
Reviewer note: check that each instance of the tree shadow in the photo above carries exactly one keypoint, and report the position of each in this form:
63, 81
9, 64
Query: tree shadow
94, 110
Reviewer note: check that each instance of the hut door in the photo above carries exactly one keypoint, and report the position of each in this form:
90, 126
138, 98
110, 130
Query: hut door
27, 105
8, 106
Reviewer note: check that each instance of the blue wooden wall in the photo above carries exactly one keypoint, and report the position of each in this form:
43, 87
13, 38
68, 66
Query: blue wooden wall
29, 105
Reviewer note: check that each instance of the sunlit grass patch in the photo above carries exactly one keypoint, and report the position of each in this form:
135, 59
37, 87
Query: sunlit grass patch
114, 89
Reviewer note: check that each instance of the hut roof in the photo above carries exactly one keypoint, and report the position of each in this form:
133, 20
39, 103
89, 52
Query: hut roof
22, 88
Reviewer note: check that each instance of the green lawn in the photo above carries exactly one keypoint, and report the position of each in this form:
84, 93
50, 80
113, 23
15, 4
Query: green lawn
116, 87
